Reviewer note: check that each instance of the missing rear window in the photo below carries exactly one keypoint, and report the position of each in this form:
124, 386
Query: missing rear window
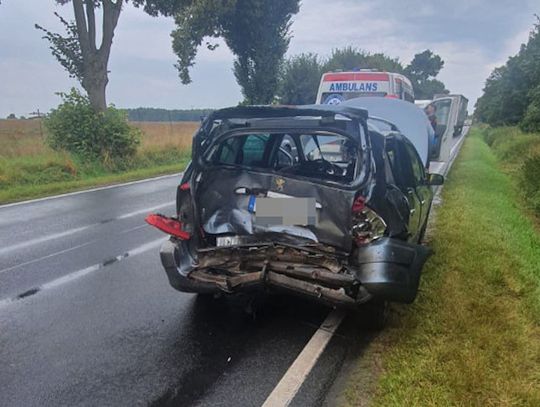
323, 155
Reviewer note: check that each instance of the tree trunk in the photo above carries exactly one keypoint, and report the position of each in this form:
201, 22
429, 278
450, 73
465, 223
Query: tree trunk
95, 81
95, 60
96, 95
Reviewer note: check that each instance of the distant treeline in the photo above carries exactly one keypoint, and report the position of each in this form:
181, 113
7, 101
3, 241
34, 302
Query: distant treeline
150, 114
512, 91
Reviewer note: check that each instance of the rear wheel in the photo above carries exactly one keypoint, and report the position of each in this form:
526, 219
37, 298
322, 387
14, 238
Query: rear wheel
373, 315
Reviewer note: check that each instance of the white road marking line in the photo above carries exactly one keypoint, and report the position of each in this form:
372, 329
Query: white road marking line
26, 263
90, 190
69, 232
42, 239
83, 272
290, 383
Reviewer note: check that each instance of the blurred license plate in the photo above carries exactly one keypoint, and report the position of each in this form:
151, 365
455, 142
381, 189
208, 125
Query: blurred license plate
285, 211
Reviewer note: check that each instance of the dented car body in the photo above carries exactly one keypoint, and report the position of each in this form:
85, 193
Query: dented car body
319, 201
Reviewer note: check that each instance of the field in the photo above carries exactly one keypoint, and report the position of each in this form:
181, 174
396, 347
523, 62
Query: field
26, 137
29, 168
472, 338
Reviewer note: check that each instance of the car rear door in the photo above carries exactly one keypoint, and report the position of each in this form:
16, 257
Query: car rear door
423, 191
401, 162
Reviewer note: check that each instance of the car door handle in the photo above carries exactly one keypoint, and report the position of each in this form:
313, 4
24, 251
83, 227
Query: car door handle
413, 210
423, 201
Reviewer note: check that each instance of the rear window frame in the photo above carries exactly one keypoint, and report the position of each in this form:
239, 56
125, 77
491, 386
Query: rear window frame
364, 153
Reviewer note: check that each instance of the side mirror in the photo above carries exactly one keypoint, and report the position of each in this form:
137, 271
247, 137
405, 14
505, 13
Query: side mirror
435, 179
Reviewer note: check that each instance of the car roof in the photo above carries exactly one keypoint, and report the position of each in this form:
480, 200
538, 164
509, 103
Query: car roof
263, 111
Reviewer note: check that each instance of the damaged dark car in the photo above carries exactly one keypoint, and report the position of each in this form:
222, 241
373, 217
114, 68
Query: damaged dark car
318, 201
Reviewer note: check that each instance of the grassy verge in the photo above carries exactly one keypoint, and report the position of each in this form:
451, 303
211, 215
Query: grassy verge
472, 338
519, 154
32, 191
29, 169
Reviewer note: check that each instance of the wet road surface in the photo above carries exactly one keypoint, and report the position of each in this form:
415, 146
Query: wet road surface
87, 316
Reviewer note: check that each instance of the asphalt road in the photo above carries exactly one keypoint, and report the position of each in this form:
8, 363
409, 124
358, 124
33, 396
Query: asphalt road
87, 316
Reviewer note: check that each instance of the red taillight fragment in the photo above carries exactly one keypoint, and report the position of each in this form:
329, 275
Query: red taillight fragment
184, 187
359, 204
170, 226
367, 225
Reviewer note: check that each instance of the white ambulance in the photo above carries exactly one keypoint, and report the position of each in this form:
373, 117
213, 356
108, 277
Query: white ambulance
337, 87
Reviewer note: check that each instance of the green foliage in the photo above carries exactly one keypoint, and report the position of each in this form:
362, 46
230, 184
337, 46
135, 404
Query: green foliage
520, 154
66, 49
53, 173
300, 79
105, 136
424, 65
256, 31
428, 89
531, 181
301, 74
350, 58
422, 71
510, 94
531, 119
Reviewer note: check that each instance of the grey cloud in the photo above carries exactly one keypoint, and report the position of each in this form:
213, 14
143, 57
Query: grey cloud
471, 35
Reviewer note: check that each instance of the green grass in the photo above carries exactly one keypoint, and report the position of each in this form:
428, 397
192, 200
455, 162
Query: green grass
472, 338
27, 177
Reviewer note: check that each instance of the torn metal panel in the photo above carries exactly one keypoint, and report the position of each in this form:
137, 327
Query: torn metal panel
224, 211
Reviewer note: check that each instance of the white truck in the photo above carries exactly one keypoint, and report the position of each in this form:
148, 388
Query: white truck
450, 113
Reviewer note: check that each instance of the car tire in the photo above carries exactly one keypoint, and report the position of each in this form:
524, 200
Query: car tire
373, 315
422, 232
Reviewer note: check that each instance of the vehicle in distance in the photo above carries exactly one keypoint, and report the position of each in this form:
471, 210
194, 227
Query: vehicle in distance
317, 201
337, 87
451, 113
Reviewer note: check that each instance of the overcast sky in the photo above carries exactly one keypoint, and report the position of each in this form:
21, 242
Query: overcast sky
472, 36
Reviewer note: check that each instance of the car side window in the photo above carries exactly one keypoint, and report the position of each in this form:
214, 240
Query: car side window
417, 167
287, 153
253, 149
228, 151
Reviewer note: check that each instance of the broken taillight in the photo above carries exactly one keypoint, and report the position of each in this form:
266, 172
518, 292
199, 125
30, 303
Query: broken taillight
367, 224
184, 187
168, 225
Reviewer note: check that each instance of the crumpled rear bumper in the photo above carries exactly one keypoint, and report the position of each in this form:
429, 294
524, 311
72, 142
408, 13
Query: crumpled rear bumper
385, 270
390, 269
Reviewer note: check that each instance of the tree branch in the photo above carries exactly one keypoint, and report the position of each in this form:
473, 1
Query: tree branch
91, 18
80, 19
111, 13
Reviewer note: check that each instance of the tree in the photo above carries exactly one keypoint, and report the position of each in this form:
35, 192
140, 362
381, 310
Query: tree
422, 71
350, 58
531, 118
256, 31
424, 65
11, 116
78, 51
300, 79
511, 94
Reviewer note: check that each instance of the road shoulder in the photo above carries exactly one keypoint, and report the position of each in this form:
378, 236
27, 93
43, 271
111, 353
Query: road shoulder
472, 336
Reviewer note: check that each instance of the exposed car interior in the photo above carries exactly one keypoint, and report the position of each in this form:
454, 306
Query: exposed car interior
324, 155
